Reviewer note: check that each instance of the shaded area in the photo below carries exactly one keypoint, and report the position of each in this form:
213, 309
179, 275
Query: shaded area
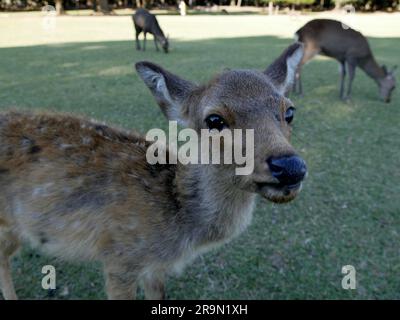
348, 212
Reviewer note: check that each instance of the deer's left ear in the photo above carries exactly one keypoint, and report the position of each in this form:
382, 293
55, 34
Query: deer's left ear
169, 90
282, 71
393, 70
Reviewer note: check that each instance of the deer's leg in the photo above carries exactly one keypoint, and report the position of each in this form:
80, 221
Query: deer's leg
300, 85
351, 68
138, 31
342, 78
153, 285
8, 245
297, 82
7, 286
144, 41
310, 51
121, 281
155, 43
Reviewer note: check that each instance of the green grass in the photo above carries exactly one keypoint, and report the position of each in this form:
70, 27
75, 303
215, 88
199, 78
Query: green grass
347, 213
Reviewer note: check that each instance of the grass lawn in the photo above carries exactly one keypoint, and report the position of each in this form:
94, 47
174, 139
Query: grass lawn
347, 213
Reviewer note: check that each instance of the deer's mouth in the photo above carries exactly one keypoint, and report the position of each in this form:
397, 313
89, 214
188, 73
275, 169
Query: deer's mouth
278, 192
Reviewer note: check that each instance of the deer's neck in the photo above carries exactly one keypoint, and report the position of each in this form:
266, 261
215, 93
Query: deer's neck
213, 207
158, 32
371, 68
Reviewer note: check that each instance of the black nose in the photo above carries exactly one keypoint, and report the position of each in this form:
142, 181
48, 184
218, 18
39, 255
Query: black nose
289, 170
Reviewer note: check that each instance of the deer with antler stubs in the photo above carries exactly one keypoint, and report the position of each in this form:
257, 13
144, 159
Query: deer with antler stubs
81, 190
337, 40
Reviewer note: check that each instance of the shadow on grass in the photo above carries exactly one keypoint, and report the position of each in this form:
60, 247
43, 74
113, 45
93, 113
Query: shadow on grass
346, 214
170, 12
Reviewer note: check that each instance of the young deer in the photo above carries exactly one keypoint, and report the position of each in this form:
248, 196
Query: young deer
349, 47
147, 22
78, 189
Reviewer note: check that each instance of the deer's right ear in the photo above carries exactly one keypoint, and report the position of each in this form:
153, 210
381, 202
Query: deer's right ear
169, 90
282, 71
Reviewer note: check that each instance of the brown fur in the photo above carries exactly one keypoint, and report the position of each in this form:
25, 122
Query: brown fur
350, 48
79, 189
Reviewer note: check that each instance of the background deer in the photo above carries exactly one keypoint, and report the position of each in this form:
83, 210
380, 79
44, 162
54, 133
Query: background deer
78, 189
147, 22
350, 48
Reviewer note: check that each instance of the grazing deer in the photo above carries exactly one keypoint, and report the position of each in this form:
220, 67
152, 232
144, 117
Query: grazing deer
333, 39
147, 22
81, 190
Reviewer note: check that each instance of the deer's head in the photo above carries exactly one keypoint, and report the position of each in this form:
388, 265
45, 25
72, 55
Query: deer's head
165, 43
387, 84
241, 99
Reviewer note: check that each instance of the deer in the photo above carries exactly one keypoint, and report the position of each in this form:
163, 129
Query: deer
78, 189
350, 48
146, 22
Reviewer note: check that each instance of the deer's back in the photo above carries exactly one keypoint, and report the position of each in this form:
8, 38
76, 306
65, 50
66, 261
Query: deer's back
145, 20
35, 139
77, 186
334, 39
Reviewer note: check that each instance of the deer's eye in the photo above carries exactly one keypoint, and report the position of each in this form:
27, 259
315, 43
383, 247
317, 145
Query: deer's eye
289, 114
215, 121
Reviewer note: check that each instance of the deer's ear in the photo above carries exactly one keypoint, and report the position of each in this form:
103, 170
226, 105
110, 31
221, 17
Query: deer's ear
393, 70
384, 69
169, 90
282, 71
